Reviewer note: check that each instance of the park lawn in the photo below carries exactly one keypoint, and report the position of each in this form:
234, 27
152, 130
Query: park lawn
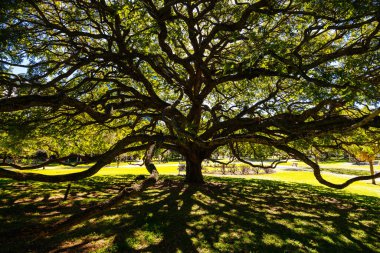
307, 177
108, 170
224, 215
332, 164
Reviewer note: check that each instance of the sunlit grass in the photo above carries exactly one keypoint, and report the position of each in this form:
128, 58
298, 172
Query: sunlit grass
226, 215
108, 170
306, 177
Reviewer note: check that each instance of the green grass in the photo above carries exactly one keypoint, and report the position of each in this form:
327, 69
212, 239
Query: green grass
332, 164
225, 215
355, 172
363, 188
306, 177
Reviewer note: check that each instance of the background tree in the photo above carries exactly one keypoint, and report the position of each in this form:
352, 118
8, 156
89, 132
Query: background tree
192, 76
365, 147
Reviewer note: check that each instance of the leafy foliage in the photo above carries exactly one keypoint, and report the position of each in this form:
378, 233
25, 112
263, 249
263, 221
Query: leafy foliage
192, 76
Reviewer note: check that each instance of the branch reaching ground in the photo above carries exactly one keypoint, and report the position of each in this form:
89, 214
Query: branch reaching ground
317, 171
102, 207
102, 161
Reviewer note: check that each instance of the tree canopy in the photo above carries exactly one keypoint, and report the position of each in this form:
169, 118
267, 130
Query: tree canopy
189, 76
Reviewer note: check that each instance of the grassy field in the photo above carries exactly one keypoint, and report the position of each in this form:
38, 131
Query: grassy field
254, 214
286, 211
307, 177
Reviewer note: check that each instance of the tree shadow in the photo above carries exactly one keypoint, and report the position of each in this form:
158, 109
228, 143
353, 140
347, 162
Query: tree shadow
176, 205
227, 215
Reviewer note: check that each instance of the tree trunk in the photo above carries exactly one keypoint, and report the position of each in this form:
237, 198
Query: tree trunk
372, 171
194, 171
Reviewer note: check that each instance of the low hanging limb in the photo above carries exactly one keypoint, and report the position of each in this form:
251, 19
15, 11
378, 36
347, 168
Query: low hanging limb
223, 163
273, 165
366, 120
317, 171
100, 208
61, 160
102, 161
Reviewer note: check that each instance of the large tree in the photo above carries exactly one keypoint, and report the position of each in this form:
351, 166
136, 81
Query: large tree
190, 76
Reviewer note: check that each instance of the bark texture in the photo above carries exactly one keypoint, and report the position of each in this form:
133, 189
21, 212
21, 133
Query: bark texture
194, 172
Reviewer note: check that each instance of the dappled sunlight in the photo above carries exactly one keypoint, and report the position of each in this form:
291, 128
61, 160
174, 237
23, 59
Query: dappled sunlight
305, 177
227, 215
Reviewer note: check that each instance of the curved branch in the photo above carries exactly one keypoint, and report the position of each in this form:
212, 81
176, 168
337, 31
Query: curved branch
100, 208
60, 160
85, 160
317, 172
367, 120
236, 154
223, 163
103, 160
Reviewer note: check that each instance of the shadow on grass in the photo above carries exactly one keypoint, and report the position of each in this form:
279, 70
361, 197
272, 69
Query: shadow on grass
225, 215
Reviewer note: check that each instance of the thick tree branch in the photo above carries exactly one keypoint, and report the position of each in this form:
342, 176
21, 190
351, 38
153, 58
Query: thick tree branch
317, 171
102, 207
103, 160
